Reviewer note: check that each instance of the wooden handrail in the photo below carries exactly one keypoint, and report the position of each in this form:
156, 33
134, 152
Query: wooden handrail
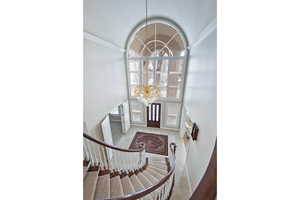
142, 193
142, 147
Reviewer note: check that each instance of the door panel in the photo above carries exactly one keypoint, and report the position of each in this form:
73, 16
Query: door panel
172, 115
153, 115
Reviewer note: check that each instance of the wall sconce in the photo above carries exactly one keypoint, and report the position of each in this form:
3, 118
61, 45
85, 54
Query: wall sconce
195, 131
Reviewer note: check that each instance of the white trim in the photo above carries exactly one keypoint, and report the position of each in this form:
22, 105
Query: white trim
98, 40
188, 179
205, 32
158, 58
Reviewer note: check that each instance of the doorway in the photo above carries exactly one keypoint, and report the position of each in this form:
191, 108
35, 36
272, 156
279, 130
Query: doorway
153, 115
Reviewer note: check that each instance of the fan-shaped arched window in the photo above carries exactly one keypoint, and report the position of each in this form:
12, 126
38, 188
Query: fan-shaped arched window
156, 40
156, 55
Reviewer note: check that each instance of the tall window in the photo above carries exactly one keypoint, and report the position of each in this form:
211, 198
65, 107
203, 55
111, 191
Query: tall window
156, 56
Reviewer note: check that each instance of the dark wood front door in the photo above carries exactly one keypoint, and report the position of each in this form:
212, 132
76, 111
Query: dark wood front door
153, 115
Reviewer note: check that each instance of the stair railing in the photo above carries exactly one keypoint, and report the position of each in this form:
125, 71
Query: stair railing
160, 191
108, 157
120, 160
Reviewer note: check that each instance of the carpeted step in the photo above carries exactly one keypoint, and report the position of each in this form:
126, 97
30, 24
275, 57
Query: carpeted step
89, 185
145, 182
116, 189
155, 174
158, 170
158, 162
85, 169
103, 187
137, 185
127, 185
159, 166
150, 177
157, 159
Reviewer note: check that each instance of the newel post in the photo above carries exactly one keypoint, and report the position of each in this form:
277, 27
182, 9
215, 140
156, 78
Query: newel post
173, 148
142, 148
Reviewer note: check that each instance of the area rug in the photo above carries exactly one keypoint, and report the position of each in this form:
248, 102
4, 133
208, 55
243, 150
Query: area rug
155, 143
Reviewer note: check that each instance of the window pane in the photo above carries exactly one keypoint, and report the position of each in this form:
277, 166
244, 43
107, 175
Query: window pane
157, 112
174, 79
133, 65
153, 111
150, 78
134, 78
132, 91
176, 65
163, 92
149, 113
173, 92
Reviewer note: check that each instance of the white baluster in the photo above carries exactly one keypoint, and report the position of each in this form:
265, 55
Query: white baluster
103, 157
90, 152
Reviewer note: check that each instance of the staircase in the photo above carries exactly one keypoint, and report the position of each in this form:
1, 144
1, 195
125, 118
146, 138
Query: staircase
112, 173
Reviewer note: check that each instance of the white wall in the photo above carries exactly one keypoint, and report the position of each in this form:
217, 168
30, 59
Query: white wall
200, 101
104, 82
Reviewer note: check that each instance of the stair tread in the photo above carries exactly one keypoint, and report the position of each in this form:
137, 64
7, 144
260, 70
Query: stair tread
156, 158
116, 189
103, 187
85, 169
150, 177
146, 183
155, 174
137, 185
89, 185
160, 166
127, 185
159, 170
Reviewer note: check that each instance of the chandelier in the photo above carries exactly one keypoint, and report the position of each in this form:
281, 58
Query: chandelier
147, 94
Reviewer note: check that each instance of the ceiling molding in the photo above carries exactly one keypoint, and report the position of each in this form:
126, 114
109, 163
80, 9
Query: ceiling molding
100, 41
205, 32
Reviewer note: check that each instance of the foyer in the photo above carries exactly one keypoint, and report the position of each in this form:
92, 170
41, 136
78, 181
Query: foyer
149, 68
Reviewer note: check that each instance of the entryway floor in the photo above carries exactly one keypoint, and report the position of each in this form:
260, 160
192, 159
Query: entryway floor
181, 189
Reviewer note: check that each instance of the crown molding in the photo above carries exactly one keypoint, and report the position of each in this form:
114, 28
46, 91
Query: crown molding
205, 32
100, 41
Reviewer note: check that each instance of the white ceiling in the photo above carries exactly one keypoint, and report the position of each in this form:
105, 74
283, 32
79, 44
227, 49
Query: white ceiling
113, 20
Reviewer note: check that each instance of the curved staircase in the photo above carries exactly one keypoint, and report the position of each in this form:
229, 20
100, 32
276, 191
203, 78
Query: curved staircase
112, 173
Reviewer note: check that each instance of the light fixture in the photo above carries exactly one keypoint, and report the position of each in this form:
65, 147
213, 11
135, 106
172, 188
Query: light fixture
147, 94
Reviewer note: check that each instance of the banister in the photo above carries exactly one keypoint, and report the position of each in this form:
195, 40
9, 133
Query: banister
142, 193
142, 147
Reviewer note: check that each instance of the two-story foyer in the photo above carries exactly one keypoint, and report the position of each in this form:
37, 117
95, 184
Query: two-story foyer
149, 100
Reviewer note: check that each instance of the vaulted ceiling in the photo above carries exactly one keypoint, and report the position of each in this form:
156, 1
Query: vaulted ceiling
113, 20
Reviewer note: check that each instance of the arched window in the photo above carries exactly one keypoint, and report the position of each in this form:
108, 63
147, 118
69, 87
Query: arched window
156, 55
